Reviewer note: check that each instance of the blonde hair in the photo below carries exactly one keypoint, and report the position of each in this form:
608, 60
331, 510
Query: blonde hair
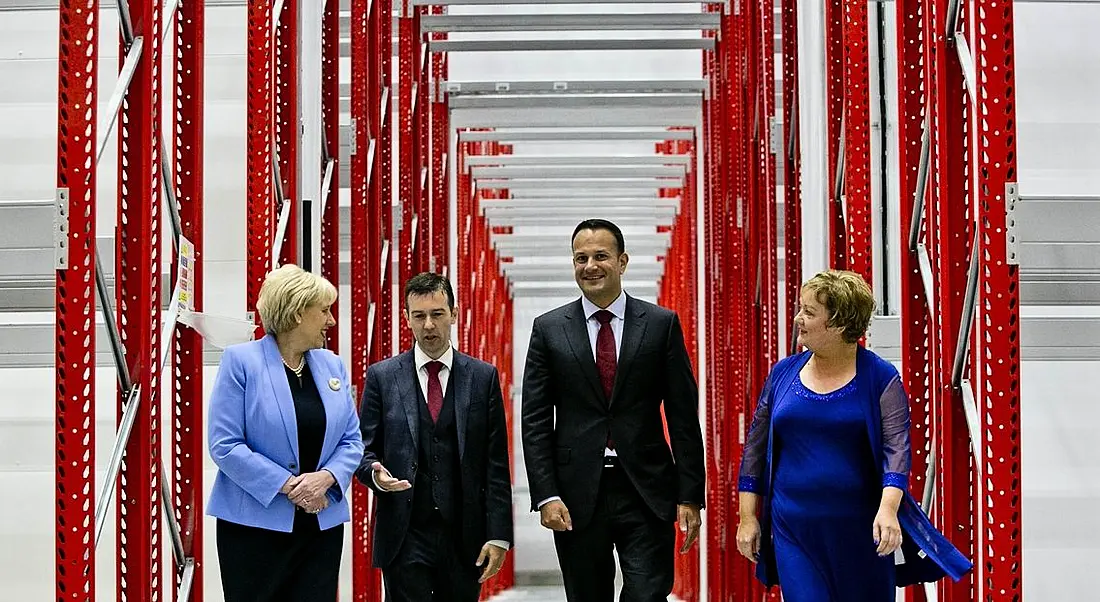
848, 301
286, 292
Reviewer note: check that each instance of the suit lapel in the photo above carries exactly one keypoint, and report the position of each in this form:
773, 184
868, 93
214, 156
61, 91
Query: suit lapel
459, 383
576, 332
276, 375
634, 327
407, 382
331, 399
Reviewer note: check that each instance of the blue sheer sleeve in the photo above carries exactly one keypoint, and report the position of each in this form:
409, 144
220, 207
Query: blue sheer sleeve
754, 455
896, 445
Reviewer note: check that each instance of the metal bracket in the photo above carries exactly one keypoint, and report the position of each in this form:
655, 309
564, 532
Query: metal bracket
398, 8
353, 136
737, 7
61, 229
1012, 239
775, 135
503, 86
398, 218
561, 86
740, 212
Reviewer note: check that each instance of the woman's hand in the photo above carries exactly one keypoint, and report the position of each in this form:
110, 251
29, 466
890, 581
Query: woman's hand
887, 531
748, 538
309, 492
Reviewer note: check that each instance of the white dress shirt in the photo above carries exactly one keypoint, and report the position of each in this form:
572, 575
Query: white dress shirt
421, 360
618, 310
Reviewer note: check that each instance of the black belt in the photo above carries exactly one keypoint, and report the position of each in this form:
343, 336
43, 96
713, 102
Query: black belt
610, 461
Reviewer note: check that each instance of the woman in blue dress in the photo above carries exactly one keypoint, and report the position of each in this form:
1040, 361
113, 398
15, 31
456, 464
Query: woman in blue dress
827, 460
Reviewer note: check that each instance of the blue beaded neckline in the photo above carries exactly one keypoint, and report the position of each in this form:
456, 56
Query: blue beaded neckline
803, 391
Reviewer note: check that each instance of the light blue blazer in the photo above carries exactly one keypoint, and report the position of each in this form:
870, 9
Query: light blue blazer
253, 436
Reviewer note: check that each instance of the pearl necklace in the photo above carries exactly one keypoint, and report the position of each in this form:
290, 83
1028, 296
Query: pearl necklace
297, 371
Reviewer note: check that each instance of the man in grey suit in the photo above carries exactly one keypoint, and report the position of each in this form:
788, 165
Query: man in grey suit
436, 452
601, 472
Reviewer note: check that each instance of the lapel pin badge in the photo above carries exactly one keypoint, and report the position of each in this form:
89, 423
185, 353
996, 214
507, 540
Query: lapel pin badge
334, 384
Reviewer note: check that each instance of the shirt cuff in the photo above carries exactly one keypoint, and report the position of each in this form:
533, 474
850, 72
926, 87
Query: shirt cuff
547, 501
500, 543
749, 485
896, 479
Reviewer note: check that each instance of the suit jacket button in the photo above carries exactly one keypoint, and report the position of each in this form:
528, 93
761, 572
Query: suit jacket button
292, 466
414, 466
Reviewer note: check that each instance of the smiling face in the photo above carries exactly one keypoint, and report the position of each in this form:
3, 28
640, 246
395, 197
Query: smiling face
812, 321
316, 319
430, 318
598, 266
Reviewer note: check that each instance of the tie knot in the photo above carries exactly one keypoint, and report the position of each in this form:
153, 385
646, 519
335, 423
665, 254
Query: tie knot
434, 367
603, 316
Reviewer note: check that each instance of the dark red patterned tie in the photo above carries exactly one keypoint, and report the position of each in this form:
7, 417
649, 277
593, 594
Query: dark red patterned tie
435, 389
606, 362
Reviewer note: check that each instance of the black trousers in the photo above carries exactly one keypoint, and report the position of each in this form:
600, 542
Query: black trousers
621, 521
260, 565
427, 568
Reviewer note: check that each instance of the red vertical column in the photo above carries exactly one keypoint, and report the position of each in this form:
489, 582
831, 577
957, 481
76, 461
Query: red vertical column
330, 121
422, 183
770, 240
383, 217
997, 344
75, 309
916, 333
408, 175
949, 233
857, 139
259, 82
365, 258
440, 139
834, 112
187, 403
286, 124
792, 195
138, 305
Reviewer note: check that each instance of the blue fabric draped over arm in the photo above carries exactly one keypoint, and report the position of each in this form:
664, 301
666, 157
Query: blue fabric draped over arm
896, 445
754, 458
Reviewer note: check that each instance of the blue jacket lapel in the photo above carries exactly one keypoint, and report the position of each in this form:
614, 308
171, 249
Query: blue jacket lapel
277, 377
333, 400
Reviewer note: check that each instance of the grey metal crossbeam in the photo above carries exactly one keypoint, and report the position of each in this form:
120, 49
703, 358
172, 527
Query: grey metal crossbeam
570, 22
574, 101
572, 172
570, 45
588, 184
577, 160
456, 88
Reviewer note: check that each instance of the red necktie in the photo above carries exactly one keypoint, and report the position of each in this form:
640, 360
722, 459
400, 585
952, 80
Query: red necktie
606, 361
435, 389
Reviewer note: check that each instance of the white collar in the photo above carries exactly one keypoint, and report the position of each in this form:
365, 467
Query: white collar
422, 358
617, 307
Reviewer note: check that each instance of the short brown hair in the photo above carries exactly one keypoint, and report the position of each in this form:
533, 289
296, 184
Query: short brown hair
848, 301
286, 292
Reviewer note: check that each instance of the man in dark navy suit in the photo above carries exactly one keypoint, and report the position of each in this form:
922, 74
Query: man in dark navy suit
436, 452
599, 372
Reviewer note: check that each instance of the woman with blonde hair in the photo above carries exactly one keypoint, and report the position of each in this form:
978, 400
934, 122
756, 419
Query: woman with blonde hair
284, 433
826, 461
